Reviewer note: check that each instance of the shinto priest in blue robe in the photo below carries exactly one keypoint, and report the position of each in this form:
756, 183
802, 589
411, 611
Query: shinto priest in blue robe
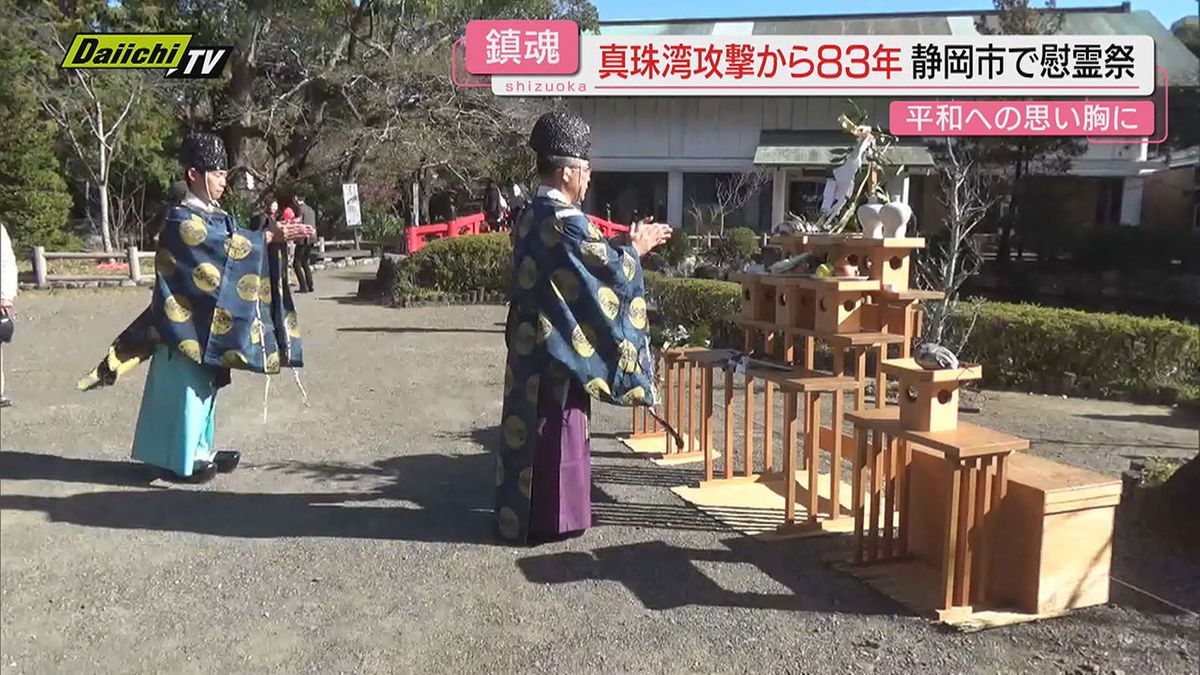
577, 330
220, 303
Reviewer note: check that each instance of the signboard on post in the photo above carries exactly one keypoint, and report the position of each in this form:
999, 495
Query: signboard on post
350, 199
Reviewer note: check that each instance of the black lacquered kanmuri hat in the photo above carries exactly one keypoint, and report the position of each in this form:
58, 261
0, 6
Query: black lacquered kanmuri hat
205, 152
561, 134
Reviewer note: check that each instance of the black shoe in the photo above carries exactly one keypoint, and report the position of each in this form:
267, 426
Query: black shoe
5, 403
202, 472
227, 460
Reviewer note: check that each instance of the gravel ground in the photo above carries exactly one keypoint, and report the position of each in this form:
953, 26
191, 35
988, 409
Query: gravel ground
356, 537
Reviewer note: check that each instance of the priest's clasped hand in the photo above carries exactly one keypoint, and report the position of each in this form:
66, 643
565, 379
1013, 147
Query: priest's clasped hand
647, 237
282, 232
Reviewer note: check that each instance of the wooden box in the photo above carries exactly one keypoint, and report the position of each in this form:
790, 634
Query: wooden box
794, 307
929, 398
884, 316
758, 298
838, 311
890, 266
1053, 547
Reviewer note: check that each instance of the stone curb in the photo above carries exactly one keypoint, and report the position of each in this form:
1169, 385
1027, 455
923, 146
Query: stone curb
447, 299
74, 285
345, 262
145, 283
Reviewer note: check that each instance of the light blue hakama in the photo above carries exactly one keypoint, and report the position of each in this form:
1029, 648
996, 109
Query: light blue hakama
178, 414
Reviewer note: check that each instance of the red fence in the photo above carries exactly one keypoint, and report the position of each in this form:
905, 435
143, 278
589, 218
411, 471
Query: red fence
417, 237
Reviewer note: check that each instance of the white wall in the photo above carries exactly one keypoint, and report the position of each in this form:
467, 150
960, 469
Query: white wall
721, 133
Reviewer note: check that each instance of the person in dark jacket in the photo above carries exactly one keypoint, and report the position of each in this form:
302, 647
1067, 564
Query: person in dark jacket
492, 205
301, 262
267, 217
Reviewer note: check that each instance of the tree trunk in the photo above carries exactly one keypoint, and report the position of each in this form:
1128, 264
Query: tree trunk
242, 75
423, 194
1004, 251
414, 205
105, 227
350, 172
102, 179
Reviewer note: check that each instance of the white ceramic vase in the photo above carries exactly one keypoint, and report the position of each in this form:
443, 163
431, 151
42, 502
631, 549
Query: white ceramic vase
895, 217
868, 219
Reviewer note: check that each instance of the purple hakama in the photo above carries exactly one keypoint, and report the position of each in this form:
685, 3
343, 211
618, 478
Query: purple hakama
561, 498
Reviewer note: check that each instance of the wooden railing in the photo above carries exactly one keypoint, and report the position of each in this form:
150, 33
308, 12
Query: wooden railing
329, 249
417, 237
42, 258
324, 251
706, 240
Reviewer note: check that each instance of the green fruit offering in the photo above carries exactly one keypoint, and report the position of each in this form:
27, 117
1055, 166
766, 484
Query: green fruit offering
825, 270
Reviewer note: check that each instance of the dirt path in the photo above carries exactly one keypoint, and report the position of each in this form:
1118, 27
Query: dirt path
356, 537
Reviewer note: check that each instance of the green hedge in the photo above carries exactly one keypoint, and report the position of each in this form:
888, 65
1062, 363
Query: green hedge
1019, 345
458, 265
693, 303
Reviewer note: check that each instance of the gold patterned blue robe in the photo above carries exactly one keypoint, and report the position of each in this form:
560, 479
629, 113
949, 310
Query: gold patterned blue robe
220, 299
220, 303
577, 330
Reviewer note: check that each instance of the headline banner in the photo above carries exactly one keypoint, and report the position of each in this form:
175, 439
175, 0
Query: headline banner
862, 65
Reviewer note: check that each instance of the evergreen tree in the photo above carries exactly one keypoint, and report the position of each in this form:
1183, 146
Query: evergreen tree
34, 201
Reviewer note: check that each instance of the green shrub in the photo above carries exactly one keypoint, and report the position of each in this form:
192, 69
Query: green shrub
1020, 344
236, 202
738, 247
1157, 470
706, 306
677, 248
383, 227
459, 265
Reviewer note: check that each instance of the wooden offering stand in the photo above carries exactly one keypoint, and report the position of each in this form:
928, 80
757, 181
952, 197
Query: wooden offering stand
844, 313
951, 486
948, 517
867, 313
833, 311
822, 508
686, 400
929, 398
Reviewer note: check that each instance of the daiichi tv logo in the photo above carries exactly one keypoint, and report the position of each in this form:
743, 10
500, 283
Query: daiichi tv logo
172, 52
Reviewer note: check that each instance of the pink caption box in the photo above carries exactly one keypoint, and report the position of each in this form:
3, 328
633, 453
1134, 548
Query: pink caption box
522, 47
1022, 118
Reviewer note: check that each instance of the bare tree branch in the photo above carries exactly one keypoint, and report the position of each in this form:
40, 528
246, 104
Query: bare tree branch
952, 257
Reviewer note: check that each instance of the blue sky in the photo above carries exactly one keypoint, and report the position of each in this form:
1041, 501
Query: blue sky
1167, 11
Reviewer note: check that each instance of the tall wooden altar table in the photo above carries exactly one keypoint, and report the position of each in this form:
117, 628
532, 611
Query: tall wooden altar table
956, 542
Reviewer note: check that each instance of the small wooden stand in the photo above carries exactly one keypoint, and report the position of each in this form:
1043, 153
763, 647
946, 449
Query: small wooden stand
970, 503
929, 398
686, 394
844, 313
973, 475
812, 386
